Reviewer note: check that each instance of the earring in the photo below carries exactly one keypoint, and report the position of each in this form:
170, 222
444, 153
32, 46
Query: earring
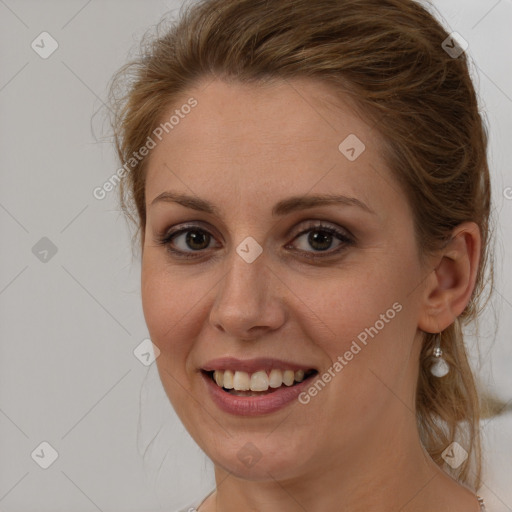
440, 367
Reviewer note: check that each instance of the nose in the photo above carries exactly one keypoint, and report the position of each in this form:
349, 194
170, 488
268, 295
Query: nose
249, 301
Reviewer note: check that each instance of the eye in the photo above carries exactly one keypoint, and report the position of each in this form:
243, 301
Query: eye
187, 240
320, 237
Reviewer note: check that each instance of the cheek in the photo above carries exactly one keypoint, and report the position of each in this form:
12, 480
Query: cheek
167, 310
175, 303
363, 314
353, 300
165, 303
157, 302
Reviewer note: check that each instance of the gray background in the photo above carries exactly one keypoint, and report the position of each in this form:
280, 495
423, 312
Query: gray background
70, 321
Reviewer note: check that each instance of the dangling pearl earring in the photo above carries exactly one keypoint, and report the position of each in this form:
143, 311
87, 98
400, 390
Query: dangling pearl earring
440, 367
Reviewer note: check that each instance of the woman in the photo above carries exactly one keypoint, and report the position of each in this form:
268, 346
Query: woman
312, 191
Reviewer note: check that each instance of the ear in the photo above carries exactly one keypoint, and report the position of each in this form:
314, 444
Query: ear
448, 289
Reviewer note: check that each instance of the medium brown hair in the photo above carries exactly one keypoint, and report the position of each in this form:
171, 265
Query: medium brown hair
387, 58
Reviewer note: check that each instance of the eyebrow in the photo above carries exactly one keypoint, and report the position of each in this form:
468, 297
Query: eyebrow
283, 207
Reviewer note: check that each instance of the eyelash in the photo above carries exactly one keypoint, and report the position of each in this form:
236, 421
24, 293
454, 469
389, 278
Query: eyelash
168, 237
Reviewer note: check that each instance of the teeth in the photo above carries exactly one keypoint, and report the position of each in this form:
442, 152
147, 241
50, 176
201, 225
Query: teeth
241, 381
219, 378
299, 375
258, 381
276, 378
228, 379
288, 377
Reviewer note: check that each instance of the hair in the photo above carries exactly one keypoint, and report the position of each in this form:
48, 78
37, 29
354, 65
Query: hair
387, 58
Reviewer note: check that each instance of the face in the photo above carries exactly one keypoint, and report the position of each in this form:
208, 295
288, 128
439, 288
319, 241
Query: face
248, 270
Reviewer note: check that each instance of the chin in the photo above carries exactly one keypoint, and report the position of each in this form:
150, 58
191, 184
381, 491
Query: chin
258, 459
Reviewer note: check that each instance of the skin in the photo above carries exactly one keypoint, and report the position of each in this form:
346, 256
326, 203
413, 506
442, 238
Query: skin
354, 446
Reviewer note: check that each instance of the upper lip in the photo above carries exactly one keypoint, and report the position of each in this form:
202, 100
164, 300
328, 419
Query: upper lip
252, 365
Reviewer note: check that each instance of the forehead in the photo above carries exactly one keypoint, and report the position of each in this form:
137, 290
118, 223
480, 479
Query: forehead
264, 141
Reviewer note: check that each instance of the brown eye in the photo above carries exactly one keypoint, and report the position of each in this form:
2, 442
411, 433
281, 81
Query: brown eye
189, 240
320, 238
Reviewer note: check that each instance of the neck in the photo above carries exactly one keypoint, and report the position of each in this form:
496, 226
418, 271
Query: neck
388, 470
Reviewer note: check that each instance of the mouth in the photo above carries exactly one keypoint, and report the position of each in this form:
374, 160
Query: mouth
259, 383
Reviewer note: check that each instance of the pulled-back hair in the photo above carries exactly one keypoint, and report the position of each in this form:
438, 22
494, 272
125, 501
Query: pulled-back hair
387, 58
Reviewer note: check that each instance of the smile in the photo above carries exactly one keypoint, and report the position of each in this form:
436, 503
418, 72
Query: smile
235, 392
241, 383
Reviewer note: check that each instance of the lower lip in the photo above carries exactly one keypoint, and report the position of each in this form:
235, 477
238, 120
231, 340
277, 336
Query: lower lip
254, 405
